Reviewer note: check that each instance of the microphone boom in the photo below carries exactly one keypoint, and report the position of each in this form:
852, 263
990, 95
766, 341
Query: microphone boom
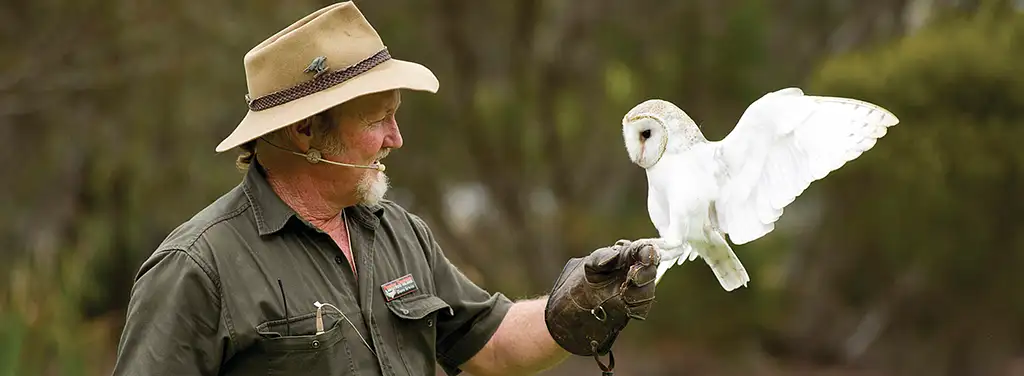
314, 156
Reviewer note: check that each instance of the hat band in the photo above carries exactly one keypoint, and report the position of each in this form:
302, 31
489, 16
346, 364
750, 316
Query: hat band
323, 80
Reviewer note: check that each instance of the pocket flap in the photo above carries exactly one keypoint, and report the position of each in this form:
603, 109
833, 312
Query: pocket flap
304, 324
415, 307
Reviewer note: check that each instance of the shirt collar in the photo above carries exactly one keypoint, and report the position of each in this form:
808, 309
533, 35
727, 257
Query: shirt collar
272, 213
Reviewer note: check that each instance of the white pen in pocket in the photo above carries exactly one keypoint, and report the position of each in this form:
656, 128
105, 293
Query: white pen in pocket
320, 322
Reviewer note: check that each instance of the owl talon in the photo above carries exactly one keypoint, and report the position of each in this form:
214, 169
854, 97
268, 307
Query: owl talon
659, 243
650, 241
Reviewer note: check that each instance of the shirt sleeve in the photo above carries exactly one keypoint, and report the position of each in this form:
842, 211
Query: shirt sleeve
173, 324
477, 313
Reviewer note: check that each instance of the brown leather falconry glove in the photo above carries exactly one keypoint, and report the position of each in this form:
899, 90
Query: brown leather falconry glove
596, 296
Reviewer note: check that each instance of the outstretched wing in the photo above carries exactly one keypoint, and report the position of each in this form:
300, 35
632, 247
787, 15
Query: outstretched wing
784, 141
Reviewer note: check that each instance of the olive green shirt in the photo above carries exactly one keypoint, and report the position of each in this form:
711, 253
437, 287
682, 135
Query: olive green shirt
208, 301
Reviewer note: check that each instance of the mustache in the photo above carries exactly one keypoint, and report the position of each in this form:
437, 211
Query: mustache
383, 153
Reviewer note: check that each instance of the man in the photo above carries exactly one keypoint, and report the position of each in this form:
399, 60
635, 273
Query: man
304, 267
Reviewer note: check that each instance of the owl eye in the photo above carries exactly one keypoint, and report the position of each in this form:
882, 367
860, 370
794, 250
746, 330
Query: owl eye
646, 134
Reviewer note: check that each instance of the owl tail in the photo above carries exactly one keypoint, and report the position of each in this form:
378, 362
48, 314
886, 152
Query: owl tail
723, 262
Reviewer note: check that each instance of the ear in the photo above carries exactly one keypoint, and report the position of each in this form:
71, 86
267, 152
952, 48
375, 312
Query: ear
301, 134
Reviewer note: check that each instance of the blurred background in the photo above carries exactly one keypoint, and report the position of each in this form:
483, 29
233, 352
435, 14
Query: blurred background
906, 261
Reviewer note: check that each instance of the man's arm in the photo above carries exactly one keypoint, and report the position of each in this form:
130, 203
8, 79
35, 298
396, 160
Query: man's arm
490, 335
173, 325
522, 344
591, 302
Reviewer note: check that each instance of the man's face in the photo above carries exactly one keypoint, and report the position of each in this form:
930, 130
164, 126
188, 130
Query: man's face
366, 133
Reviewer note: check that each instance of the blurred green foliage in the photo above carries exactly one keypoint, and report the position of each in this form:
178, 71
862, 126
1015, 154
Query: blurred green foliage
931, 213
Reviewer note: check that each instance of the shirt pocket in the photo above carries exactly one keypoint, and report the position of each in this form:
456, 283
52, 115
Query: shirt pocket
292, 346
416, 326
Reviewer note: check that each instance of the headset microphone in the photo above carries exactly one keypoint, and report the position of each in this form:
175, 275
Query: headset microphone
314, 156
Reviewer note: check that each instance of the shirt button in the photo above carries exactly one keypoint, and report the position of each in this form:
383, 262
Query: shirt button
339, 260
430, 323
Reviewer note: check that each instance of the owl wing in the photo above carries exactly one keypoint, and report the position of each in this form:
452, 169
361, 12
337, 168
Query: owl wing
784, 141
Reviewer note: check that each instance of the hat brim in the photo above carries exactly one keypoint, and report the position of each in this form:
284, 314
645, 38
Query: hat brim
391, 74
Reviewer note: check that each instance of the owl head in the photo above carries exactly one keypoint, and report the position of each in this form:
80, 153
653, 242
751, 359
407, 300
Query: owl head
655, 127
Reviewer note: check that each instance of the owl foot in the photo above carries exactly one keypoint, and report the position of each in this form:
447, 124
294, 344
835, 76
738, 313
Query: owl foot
661, 244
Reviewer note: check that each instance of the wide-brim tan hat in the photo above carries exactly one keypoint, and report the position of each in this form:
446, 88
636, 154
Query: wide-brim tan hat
320, 61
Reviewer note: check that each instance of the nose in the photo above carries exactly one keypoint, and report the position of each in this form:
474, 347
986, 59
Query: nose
393, 138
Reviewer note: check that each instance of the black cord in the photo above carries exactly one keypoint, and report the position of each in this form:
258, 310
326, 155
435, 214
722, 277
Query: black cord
287, 324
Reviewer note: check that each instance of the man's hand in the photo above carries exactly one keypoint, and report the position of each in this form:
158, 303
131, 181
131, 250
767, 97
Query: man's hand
592, 301
596, 296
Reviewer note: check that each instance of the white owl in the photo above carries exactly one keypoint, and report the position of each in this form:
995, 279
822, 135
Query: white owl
700, 190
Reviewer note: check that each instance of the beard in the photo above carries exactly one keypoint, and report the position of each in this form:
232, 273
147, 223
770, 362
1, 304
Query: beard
372, 187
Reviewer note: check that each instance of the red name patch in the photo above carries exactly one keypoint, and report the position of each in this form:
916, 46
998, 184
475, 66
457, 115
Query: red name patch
398, 287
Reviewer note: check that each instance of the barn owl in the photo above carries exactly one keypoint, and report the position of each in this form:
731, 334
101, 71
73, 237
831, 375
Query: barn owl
700, 190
